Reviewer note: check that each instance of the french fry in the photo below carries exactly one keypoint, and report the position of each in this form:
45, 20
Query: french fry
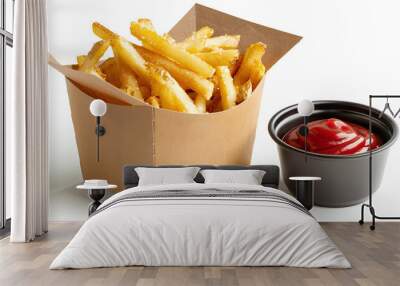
214, 105
80, 60
171, 94
128, 55
165, 48
95, 71
251, 57
169, 38
200, 103
215, 81
102, 32
166, 98
233, 68
129, 83
111, 71
197, 41
220, 57
146, 23
227, 89
146, 91
153, 101
225, 42
191, 94
257, 72
204, 32
94, 55
244, 91
186, 78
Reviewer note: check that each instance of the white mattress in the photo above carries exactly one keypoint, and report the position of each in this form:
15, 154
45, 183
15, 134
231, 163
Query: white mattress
200, 231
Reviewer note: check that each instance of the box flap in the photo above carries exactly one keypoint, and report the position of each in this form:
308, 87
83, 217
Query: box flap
94, 86
185, 26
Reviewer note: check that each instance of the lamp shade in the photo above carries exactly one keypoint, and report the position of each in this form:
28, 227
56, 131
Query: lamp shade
98, 107
305, 107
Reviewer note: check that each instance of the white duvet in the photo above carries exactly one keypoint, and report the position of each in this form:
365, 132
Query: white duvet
200, 231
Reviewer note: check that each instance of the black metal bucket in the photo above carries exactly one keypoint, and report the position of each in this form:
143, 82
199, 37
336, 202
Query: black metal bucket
344, 177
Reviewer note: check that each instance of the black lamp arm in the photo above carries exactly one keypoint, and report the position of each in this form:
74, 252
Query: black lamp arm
100, 131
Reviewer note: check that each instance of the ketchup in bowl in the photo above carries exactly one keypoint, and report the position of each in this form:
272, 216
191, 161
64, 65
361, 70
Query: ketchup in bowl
333, 137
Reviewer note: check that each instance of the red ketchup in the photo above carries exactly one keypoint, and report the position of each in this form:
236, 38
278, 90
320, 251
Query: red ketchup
334, 137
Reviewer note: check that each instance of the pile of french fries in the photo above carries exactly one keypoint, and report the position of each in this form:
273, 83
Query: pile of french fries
198, 75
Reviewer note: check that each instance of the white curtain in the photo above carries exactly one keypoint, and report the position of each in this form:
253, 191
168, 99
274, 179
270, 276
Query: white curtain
26, 123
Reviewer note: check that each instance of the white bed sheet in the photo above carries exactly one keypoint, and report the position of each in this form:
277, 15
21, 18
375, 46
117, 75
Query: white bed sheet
193, 231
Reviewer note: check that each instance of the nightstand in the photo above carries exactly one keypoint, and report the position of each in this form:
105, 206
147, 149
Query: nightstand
96, 192
305, 190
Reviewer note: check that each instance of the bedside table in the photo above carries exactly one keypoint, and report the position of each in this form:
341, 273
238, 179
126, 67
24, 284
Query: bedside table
96, 193
305, 190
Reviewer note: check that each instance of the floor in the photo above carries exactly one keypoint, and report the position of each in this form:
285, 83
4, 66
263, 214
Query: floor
375, 257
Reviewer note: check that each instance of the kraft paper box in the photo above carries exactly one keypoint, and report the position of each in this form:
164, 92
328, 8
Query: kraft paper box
137, 133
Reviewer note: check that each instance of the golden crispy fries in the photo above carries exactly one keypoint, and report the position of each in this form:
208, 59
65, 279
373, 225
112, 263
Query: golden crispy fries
220, 57
94, 55
225, 42
197, 41
244, 91
165, 48
129, 83
227, 89
251, 58
128, 55
193, 76
186, 78
102, 32
153, 101
172, 96
200, 103
257, 72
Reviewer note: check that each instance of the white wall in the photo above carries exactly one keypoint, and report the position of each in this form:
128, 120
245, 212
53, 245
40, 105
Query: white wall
350, 49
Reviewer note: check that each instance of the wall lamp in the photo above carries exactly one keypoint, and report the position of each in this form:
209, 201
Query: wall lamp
305, 109
98, 108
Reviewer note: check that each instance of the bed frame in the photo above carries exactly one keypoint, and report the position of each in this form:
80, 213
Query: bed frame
270, 179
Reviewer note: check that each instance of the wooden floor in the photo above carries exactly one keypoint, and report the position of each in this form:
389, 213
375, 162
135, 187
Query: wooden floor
375, 257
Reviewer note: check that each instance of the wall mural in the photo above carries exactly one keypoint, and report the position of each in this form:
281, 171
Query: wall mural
193, 112
193, 98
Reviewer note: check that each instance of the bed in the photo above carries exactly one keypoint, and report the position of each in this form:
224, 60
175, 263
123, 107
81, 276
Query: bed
198, 224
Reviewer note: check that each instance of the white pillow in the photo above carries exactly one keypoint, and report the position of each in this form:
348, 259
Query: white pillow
163, 176
248, 177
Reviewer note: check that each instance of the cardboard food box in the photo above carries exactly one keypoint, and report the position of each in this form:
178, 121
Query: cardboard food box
137, 133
